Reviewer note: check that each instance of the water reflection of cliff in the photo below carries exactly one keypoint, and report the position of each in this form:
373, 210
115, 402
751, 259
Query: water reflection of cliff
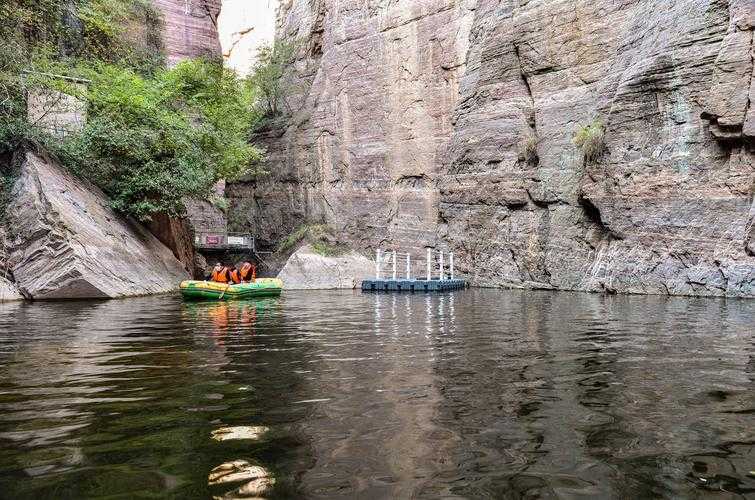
473, 394
591, 396
120, 397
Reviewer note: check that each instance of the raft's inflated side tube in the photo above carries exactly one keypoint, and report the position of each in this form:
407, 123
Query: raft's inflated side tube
210, 290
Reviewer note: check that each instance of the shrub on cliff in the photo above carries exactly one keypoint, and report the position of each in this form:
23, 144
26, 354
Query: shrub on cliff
319, 236
268, 76
150, 142
591, 139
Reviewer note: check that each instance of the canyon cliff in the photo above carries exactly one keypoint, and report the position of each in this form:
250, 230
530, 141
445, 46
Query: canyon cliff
190, 28
450, 124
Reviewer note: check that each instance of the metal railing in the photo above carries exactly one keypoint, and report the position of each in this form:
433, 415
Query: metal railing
436, 266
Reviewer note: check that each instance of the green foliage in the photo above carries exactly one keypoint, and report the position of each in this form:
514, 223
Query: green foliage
126, 32
268, 76
57, 37
327, 249
318, 235
150, 142
591, 139
293, 239
152, 136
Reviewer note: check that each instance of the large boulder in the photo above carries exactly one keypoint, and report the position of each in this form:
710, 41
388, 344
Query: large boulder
307, 270
66, 242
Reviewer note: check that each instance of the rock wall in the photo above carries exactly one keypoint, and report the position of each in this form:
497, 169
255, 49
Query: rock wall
8, 290
376, 86
451, 124
190, 28
65, 242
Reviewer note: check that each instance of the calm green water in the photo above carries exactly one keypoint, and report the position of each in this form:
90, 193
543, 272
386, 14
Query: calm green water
477, 394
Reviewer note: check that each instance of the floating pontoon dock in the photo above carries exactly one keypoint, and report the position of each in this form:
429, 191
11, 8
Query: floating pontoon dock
431, 283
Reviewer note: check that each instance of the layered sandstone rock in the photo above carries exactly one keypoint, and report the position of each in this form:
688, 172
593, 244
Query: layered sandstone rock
371, 121
664, 211
451, 124
64, 241
306, 270
190, 28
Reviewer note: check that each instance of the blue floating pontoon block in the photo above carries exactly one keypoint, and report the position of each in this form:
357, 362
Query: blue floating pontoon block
410, 285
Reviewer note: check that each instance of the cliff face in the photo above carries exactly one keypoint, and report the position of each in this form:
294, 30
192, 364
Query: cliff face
191, 28
413, 117
372, 120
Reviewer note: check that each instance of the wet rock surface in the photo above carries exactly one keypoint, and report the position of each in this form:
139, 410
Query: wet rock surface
413, 120
256, 480
64, 241
307, 270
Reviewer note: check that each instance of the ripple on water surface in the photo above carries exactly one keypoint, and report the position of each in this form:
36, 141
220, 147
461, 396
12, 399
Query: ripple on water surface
475, 394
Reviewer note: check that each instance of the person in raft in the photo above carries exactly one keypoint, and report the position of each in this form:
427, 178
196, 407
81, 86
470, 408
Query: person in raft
244, 274
221, 274
248, 272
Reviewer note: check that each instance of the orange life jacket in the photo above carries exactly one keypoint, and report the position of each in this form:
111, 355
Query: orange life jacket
248, 272
235, 276
221, 276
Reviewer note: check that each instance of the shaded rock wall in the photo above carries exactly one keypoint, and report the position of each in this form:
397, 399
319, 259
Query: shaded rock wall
190, 28
176, 234
412, 119
64, 241
8, 290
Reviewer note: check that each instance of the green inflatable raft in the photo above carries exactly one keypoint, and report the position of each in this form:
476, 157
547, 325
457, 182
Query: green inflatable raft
209, 290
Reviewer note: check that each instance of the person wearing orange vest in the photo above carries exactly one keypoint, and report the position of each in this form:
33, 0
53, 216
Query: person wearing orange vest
235, 275
220, 274
248, 272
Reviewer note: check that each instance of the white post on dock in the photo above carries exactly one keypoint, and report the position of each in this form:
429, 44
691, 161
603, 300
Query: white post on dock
441, 266
408, 267
377, 265
429, 270
394, 264
451, 259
